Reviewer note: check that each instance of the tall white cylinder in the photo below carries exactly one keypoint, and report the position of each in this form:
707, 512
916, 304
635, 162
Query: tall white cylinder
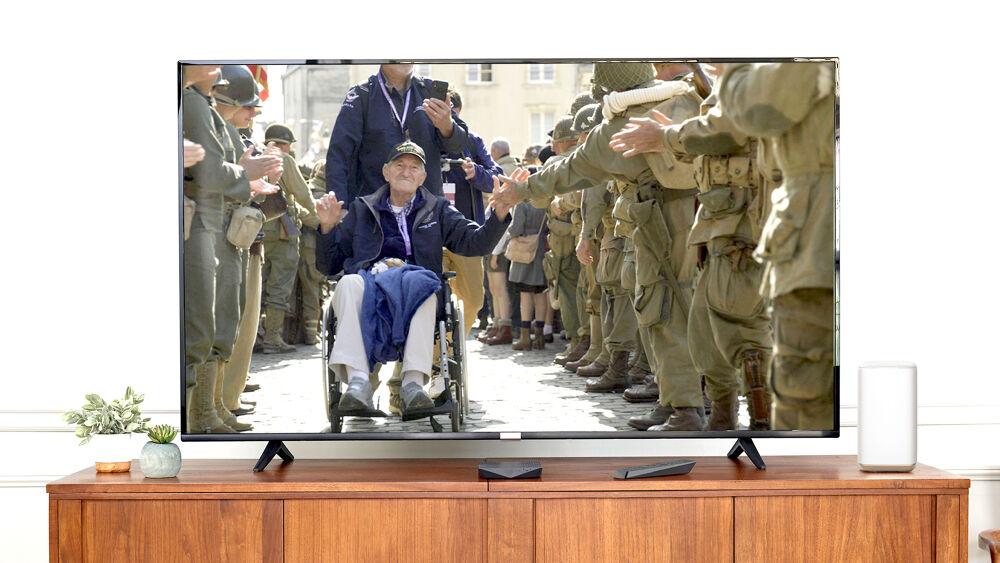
887, 416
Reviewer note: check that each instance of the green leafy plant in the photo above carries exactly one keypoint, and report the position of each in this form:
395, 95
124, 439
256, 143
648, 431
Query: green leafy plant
97, 416
162, 434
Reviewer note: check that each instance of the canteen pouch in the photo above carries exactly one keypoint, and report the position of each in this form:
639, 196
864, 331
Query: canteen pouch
189, 208
244, 225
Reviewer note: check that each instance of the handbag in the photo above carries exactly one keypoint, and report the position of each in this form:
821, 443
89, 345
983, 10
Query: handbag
522, 249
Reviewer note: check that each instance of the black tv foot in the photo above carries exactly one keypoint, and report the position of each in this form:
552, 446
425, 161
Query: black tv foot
745, 445
273, 448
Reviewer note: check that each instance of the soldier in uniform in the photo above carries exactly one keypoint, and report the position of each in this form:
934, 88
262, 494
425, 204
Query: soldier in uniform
281, 246
212, 266
560, 262
292, 183
729, 328
791, 106
655, 205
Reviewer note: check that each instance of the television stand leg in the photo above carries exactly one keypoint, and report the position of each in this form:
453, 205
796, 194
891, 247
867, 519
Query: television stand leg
273, 448
745, 445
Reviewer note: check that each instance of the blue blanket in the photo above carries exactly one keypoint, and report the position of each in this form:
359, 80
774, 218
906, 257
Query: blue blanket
391, 299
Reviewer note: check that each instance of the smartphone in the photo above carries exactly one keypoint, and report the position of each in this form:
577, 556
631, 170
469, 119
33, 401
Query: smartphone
439, 90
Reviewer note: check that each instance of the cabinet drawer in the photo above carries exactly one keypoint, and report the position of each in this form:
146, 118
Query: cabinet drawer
398, 530
634, 529
835, 528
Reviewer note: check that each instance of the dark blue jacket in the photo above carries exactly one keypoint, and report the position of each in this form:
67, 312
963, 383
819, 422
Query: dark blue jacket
366, 130
356, 242
469, 193
390, 301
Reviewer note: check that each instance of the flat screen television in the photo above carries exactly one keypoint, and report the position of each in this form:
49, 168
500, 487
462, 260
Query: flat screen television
700, 194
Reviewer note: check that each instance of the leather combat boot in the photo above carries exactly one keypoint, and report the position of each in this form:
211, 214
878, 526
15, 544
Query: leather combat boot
220, 409
685, 418
274, 324
724, 412
658, 415
759, 397
594, 369
204, 419
613, 379
504, 335
576, 353
538, 340
645, 392
523, 340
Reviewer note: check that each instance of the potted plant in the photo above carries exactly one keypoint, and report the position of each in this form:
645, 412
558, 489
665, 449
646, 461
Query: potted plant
108, 428
160, 458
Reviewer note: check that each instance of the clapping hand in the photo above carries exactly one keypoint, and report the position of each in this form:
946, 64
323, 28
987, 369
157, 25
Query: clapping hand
261, 187
257, 167
193, 153
641, 135
469, 168
330, 211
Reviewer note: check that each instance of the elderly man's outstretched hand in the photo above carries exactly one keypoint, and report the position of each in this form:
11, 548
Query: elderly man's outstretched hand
330, 211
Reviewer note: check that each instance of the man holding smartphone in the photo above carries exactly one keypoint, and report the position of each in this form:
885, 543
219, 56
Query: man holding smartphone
392, 106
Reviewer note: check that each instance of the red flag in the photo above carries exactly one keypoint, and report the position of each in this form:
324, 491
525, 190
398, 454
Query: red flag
260, 75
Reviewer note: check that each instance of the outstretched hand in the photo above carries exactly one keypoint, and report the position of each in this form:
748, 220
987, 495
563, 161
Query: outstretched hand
641, 135
330, 212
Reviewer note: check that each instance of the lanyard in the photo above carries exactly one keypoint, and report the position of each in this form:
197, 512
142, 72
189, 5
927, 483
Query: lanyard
392, 106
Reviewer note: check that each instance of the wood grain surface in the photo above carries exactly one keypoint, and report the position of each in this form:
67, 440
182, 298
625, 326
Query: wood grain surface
591, 530
836, 528
401, 531
178, 530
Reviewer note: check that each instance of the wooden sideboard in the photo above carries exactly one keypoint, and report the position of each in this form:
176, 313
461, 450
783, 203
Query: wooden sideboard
808, 508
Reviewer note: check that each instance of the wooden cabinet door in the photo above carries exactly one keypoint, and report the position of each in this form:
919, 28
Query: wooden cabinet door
634, 529
380, 530
180, 530
837, 529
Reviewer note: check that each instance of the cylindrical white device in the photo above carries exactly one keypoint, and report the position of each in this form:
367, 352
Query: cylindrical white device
887, 416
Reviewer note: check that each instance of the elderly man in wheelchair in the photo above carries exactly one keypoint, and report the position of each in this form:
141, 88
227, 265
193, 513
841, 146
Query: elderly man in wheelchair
404, 227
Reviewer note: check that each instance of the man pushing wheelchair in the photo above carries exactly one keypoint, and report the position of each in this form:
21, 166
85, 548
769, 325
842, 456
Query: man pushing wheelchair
389, 246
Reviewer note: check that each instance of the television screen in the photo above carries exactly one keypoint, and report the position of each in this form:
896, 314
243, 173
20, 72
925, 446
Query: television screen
462, 249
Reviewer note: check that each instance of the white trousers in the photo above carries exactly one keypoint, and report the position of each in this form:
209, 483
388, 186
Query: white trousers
349, 345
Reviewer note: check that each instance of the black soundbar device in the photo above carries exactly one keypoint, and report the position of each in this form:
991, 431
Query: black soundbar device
667, 468
523, 469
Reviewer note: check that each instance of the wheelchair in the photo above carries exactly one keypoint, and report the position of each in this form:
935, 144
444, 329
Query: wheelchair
451, 366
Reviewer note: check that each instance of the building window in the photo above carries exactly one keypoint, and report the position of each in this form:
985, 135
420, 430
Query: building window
541, 73
541, 123
478, 73
422, 70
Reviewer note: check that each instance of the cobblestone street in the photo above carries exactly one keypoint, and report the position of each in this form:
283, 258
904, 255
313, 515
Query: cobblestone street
509, 391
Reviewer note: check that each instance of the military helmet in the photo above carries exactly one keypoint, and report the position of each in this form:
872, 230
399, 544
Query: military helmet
564, 130
242, 90
618, 77
587, 118
280, 133
581, 99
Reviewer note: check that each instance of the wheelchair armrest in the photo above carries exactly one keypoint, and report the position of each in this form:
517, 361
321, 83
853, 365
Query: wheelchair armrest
445, 276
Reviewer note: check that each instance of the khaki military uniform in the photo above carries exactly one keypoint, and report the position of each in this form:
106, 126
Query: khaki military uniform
729, 328
655, 204
791, 105
213, 268
562, 268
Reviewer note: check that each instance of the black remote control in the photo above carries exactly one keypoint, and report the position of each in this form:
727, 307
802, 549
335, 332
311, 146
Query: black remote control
676, 467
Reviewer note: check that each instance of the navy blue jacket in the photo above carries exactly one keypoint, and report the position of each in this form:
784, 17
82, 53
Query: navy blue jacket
366, 130
469, 193
356, 242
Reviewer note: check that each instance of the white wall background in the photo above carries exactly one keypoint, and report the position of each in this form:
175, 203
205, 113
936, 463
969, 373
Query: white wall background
89, 268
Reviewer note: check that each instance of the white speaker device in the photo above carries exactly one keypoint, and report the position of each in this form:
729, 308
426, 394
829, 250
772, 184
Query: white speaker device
887, 416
